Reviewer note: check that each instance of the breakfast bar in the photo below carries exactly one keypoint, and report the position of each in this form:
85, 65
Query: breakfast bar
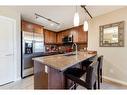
48, 70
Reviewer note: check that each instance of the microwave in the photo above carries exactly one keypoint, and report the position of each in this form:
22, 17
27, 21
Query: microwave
68, 39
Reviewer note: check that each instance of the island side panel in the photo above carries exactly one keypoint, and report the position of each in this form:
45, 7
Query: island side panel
55, 79
40, 77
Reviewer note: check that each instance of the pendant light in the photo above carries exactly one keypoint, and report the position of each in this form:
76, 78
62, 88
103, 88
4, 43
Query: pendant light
85, 26
76, 18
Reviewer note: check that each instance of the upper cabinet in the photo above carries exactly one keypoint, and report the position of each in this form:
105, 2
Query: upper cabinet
82, 35
59, 38
27, 26
31, 27
61, 35
74, 32
79, 36
49, 36
38, 28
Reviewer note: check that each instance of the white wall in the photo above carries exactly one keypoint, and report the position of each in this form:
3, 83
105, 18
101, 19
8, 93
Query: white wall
115, 58
5, 11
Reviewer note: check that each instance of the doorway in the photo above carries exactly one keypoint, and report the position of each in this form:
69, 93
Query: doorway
7, 52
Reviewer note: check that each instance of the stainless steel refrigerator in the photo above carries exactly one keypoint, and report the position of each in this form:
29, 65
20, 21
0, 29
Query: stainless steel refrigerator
32, 46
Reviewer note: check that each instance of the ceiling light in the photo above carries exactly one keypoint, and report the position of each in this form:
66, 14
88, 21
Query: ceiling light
85, 26
76, 18
52, 24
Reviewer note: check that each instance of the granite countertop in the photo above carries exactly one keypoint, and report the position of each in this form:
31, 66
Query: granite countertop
62, 62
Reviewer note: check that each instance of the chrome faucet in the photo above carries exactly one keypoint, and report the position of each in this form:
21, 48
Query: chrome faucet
74, 44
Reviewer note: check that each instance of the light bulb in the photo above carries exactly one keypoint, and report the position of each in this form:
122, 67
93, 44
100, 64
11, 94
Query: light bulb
76, 19
85, 26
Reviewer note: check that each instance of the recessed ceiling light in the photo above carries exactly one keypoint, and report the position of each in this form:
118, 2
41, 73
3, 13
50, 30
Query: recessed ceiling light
52, 24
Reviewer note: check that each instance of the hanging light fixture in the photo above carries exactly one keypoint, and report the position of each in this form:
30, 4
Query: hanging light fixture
85, 25
76, 18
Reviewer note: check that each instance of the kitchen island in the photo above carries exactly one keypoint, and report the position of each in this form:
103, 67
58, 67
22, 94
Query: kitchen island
48, 70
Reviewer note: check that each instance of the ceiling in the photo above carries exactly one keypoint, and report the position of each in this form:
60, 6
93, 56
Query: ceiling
61, 14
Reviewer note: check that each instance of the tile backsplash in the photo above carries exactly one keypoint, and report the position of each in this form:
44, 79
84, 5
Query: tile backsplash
63, 48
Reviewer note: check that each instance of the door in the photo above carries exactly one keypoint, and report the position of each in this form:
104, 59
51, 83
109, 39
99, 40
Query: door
7, 65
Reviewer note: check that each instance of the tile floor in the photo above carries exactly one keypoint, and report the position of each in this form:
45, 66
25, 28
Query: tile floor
28, 84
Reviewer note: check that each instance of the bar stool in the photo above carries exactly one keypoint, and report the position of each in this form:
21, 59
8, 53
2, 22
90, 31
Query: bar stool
99, 70
74, 74
85, 64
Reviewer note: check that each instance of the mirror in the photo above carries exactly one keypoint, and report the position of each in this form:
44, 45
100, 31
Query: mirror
111, 35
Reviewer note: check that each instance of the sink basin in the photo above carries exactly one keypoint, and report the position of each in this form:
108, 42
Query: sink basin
70, 54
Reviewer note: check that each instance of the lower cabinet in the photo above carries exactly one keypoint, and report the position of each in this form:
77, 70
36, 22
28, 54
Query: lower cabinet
47, 77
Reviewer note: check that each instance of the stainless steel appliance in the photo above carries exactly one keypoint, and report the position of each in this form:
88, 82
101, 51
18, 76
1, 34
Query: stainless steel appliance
68, 39
32, 46
28, 47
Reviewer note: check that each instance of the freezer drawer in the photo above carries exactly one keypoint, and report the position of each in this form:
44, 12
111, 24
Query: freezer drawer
27, 61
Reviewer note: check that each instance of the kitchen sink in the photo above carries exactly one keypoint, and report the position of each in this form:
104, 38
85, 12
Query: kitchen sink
70, 54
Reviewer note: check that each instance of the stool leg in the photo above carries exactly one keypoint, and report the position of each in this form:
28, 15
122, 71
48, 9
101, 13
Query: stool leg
95, 85
98, 80
74, 85
101, 75
66, 83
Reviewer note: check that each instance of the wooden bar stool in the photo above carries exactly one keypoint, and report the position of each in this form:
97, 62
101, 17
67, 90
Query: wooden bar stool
74, 74
99, 70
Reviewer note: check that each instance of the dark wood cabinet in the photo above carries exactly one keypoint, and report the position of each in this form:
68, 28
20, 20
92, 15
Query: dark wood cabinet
46, 77
61, 35
31, 27
79, 36
49, 36
59, 38
27, 26
82, 35
74, 32
38, 28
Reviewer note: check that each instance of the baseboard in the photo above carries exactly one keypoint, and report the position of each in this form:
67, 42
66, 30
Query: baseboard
16, 79
115, 80
19, 78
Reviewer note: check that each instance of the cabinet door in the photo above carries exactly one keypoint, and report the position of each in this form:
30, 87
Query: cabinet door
54, 37
65, 33
50, 37
28, 27
46, 36
82, 35
38, 29
59, 37
74, 32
